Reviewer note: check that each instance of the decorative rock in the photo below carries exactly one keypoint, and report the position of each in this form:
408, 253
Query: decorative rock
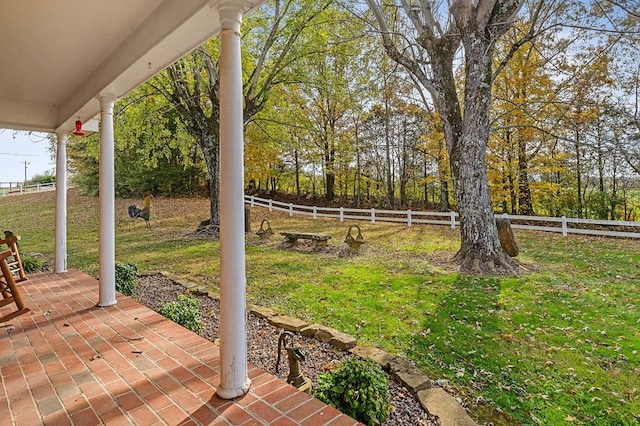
310, 330
376, 355
331, 336
288, 323
410, 376
505, 235
213, 295
262, 312
439, 403
342, 341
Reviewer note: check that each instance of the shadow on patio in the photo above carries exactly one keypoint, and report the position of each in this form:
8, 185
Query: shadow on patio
69, 362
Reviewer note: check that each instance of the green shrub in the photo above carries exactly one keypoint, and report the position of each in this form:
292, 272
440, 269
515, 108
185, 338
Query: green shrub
184, 311
31, 264
358, 388
126, 277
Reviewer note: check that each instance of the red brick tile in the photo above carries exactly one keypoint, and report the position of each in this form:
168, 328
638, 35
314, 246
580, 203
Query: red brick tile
129, 401
284, 421
306, 410
196, 385
144, 416
157, 400
263, 411
115, 417
85, 417
292, 401
172, 414
205, 415
235, 414
27, 419
60, 418
322, 417
102, 403
22, 405
187, 400
271, 387
49, 405
344, 421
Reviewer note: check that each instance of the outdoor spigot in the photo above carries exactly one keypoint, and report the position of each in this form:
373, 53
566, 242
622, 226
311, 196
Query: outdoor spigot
294, 356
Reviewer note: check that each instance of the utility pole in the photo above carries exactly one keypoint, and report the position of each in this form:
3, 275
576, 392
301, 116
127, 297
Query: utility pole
26, 163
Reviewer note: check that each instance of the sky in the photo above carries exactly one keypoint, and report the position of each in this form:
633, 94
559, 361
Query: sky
16, 148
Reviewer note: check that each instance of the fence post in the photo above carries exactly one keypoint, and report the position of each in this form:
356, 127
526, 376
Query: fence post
453, 220
341, 214
564, 226
253, 201
290, 209
270, 205
409, 218
373, 215
315, 212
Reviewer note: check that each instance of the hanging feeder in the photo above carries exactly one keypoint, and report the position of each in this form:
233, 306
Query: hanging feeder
78, 131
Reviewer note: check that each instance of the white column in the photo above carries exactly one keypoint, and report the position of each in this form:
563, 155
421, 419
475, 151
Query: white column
234, 379
60, 259
107, 247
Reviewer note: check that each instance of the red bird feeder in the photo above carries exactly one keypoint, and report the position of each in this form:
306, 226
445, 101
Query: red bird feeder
78, 131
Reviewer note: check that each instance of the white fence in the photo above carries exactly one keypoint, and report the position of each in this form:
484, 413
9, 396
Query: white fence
564, 225
24, 189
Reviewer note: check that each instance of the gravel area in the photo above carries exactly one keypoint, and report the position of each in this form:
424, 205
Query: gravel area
155, 290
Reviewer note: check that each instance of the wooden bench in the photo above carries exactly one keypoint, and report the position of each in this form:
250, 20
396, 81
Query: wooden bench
290, 238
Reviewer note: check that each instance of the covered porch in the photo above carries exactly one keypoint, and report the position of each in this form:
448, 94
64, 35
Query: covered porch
70, 362
65, 64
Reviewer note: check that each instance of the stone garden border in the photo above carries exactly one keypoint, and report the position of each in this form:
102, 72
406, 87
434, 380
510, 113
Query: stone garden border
435, 400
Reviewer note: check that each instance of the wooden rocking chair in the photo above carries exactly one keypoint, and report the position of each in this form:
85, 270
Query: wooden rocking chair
14, 261
8, 289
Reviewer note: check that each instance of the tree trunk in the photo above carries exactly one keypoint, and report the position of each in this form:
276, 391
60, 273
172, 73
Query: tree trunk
297, 165
209, 143
525, 206
480, 250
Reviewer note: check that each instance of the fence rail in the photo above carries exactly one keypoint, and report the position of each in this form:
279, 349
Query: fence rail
563, 225
24, 189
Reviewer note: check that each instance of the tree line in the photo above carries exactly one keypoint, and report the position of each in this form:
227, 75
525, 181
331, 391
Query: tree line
526, 107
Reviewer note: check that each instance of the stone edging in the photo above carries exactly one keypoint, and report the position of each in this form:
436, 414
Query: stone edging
435, 400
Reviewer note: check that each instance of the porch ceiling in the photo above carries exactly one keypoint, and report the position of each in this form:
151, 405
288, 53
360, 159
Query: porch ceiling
58, 55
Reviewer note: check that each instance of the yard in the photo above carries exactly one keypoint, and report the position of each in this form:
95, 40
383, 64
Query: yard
557, 345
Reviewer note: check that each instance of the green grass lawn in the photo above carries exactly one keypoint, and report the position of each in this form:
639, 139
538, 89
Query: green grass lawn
558, 345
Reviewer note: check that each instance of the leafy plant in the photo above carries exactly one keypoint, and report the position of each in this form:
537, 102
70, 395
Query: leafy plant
31, 264
184, 311
358, 388
126, 277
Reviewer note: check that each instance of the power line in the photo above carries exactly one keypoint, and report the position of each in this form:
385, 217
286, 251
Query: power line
22, 155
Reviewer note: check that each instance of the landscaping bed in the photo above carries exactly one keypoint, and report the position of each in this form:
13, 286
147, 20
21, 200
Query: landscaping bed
155, 290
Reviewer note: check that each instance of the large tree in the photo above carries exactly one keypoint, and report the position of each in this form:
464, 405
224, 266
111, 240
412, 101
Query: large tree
270, 46
476, 26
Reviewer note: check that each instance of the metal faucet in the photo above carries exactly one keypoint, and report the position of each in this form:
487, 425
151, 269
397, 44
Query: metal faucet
294, 355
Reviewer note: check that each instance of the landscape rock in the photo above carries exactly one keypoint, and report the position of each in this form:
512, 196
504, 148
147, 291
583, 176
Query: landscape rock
376, 355
310, 330
288, 323
262, 312
409, 375
439, 403
335, 338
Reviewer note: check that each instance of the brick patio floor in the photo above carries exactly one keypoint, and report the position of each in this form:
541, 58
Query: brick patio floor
69, 362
